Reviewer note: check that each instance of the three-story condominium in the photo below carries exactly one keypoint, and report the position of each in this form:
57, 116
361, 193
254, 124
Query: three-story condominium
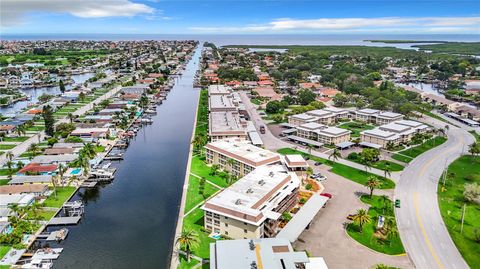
252, 206
238, 157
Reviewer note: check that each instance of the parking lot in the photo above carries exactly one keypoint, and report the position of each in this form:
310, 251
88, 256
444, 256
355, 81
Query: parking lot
326, 235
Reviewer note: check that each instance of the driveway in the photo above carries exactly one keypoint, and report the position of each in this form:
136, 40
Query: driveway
326, 236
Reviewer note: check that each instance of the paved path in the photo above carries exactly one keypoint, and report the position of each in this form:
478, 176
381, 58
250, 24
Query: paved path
326, 236
421, 226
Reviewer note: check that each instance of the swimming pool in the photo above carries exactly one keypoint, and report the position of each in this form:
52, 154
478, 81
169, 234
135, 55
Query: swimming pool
76, 171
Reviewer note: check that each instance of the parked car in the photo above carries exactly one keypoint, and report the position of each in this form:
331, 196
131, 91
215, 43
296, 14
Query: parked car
317, 163
262, 129
321, 178
397, 203
326, 194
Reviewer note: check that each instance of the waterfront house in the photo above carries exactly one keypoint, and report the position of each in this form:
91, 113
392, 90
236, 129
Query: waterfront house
35, 189
58, 151
37, 169
22, 200
55, 159
91, 132
38, 179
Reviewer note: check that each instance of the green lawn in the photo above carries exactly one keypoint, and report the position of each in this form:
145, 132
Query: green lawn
465, 169
186, 265
4, 249
343, 170
4, 181
368, 237
99, 149
256, 101
36, 128
202, 114
475, 134
45, 214
63, 194
5, 172
194, 221
412, 153
356, 127
382, 165
193, 197
7, 147
199, 168
15, 139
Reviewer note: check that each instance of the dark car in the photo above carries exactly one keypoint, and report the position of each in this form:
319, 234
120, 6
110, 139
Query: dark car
397, 203
317, 163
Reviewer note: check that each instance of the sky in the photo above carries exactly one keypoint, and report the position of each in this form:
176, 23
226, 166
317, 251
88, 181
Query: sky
240, 16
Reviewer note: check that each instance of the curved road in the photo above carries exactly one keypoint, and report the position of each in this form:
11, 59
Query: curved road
421, 226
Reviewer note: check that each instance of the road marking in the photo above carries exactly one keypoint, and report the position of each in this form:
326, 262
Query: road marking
424, 232
417, 212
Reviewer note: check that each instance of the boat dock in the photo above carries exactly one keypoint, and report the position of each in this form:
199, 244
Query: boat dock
65, 220
55, 235
88, 184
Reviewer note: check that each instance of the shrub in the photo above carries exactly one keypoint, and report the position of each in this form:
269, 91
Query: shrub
353, 156
472, 192
308, 186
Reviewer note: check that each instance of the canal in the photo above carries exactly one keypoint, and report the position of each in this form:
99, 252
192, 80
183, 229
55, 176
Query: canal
130, 223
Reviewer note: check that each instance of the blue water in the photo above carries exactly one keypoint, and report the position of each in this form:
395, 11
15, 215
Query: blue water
76, 171
259, 39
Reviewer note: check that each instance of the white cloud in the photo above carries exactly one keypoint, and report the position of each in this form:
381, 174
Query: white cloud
422, 24
13, 12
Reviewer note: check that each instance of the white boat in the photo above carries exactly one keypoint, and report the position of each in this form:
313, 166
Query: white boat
102, 174
38, 264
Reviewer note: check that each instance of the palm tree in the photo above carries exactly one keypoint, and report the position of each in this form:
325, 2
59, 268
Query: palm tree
361, 218
385, 198
89, 150
9, 155
387, 171
372, 183
188, 239
197, 142
214, 169
71, 117
230, 163
335, 154
20, 130
390, 228
34, 149
10, 170
61, 171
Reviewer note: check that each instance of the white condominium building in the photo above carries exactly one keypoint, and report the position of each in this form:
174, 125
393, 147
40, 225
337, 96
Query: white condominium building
226, 124
322, 133
238, 157
252, 206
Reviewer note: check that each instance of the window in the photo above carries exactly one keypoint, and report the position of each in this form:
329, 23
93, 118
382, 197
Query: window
216, 222
226, 224
209, 220
209, 227
209, 213
245, 231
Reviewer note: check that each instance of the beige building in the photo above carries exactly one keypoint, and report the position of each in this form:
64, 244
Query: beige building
252, 206
396, 132
238, 157
380, 138
225, 125
376, 116
387, 117
322, 133
327, 116
300, 119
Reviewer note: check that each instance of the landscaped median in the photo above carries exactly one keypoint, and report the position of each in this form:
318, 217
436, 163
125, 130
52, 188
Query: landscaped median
343, 170
462, 182
408, 155
365, 229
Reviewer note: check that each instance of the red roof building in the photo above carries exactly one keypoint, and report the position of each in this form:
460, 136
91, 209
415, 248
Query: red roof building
38, 168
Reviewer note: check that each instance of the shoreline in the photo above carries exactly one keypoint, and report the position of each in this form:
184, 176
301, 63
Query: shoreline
175, 261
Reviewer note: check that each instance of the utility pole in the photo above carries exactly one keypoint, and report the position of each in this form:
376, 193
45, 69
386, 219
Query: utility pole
463, 217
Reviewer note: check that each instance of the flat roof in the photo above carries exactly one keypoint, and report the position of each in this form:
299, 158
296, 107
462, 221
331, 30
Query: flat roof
295, 160
369, 145
380, 133
30, 179
54, 158
225, 123
389, 115
334, 131
345, 144
312, 126
410, 123
395, 127
249, 199
268, 253
368, 111
303, 116
255, 138
320, 113
302, 218
218, 90
244, 152
335, 110
216, 102
305, 140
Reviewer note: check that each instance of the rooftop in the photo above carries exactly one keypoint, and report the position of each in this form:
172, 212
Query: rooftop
244, 152
226, 123
334, 131
271, 253
248, 199
382, 134
218, 90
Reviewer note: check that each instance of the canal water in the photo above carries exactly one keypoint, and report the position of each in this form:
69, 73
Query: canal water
130, 223
34, 93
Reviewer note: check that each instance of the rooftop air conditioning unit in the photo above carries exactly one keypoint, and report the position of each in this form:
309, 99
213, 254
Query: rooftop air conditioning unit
238, 202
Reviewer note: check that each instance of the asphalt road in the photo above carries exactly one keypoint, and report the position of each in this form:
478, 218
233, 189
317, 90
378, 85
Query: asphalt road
421, 227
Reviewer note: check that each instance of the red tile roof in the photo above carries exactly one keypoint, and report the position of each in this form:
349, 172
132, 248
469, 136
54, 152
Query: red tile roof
38, 168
